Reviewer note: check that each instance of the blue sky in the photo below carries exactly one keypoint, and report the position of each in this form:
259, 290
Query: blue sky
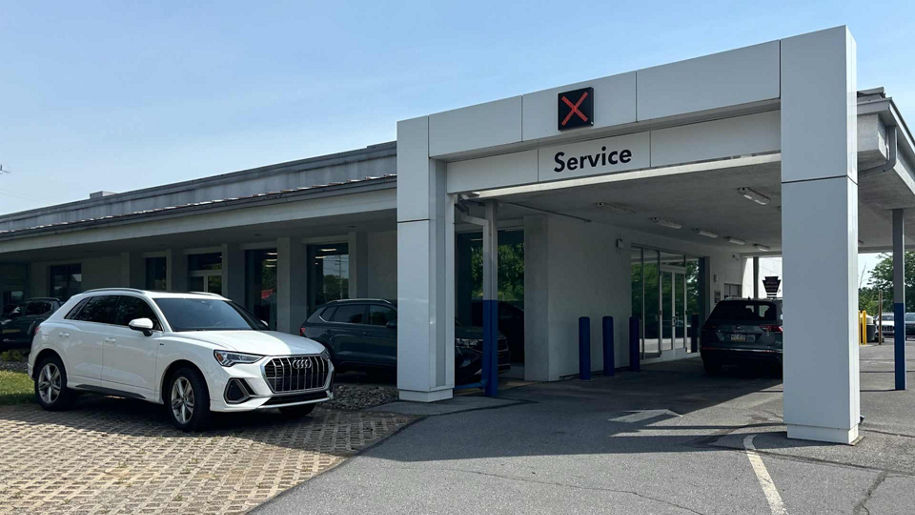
123, 95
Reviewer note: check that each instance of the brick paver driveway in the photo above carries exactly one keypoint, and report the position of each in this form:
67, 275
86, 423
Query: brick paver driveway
117, 456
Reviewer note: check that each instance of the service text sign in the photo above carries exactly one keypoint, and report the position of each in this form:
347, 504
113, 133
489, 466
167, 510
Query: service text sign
594, 157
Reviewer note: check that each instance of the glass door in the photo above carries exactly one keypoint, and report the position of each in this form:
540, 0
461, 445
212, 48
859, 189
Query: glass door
679, 302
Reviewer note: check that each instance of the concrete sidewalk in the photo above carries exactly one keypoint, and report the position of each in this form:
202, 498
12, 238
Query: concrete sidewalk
666, 440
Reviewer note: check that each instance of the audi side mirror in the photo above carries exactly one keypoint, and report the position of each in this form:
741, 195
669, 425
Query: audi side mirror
144, 325
392, 324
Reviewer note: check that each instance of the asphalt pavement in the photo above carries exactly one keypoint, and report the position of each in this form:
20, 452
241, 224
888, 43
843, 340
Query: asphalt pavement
668, 439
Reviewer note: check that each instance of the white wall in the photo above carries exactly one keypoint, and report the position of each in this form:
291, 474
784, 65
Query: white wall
575, 269
382, 264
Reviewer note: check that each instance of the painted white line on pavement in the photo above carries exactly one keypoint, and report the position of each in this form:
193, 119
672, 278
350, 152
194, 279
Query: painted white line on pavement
765, 480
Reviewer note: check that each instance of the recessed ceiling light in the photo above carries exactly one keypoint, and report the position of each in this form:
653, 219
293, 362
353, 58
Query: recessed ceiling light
755, 196
736, 241
615, 208
665, 223
703, 232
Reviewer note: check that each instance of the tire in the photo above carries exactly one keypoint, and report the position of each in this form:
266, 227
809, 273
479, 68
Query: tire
187, 400
712, 367
50, 385
297, 411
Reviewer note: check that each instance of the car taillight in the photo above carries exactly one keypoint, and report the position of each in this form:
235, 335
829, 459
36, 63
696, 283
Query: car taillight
301, 331
771, 328
35, 331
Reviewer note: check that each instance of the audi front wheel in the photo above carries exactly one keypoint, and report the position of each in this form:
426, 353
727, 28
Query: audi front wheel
187, 400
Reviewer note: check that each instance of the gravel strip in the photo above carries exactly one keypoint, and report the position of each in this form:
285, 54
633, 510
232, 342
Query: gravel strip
351, 397
14, 366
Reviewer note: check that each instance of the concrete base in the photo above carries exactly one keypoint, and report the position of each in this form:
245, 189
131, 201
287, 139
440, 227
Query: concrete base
433, 396
823, 434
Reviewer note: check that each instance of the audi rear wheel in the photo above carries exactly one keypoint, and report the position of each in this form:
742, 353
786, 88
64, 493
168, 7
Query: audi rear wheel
51, 390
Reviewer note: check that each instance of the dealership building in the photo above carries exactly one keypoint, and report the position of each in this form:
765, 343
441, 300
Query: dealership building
644, 194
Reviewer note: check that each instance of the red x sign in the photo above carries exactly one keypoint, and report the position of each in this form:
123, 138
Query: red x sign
577, 112
574, 108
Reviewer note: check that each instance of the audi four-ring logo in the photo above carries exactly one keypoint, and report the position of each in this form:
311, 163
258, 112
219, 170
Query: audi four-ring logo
299, 364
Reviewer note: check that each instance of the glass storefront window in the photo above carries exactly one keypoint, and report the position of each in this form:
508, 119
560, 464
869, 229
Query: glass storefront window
260, 284
665, 295
205, 272
651, 328
156, 274
469, 285
328, 275
66, 280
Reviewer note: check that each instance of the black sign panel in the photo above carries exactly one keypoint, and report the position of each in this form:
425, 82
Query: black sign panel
771, 284
576, 109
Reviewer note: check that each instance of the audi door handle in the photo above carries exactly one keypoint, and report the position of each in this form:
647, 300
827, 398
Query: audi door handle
64, 335
110, 340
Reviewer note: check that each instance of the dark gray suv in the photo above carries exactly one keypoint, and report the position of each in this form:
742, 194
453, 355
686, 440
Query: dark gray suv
742, 331
362, 334
19, 324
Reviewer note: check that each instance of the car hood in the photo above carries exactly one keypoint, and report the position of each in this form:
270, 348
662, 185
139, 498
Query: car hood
267, 343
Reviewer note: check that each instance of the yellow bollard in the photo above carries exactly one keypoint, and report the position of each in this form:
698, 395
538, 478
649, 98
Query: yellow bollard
862, 328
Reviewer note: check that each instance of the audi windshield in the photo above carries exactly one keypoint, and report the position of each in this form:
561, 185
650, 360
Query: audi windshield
185, 314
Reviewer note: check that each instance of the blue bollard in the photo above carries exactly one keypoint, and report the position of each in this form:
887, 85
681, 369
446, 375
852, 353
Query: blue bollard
899, 343
609, 358
490, 374
584, 348
634, 353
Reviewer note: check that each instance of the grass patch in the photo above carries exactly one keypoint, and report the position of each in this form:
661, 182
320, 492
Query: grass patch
15, 388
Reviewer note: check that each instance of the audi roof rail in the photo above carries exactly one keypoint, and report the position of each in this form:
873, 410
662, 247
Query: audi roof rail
116, 288
211, 294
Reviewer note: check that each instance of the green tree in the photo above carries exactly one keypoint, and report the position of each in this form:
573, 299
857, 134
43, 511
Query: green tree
881, 279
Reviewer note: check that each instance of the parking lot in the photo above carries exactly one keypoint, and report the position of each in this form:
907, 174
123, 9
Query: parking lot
121, 456
669, 439
666, 440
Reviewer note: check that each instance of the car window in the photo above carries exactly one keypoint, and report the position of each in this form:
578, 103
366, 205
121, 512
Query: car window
381, 315
37, 308
328, 313
910, 317
74, 311
130, 308
745, 311
190, 314
350, 314
887, 317
99, 309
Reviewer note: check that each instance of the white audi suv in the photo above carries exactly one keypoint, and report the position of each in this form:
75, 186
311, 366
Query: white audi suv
193, 352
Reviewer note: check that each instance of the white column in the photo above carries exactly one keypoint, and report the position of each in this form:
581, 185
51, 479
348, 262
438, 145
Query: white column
425, 285
133, 270
291, 285
359, 264
233, 272
176, 270
820, 235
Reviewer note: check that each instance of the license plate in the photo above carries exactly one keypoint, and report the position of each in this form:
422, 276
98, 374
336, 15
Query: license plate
740, 338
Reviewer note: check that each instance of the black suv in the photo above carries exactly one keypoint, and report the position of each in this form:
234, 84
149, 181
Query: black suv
740, 331
19, 323
362, 334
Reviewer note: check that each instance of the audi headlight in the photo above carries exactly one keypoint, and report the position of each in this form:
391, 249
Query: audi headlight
467, 342
228, 358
